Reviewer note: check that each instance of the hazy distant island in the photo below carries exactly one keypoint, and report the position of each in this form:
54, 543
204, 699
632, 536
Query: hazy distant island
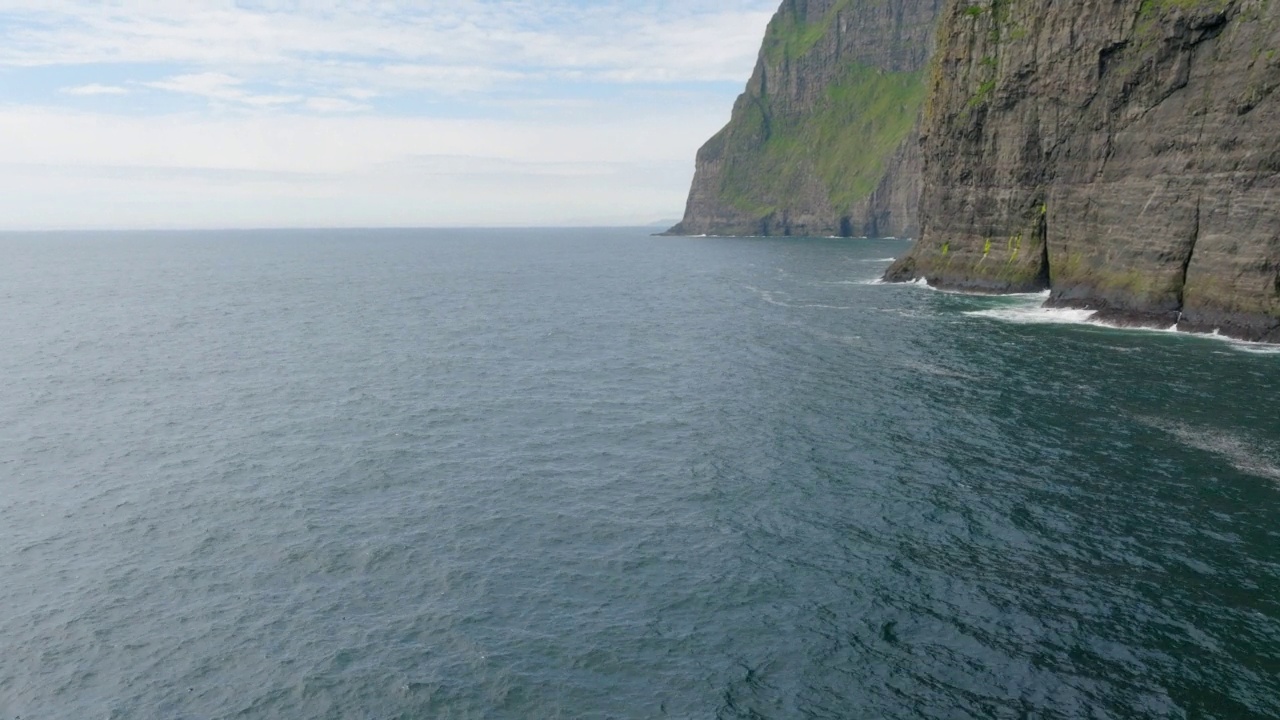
1125, 157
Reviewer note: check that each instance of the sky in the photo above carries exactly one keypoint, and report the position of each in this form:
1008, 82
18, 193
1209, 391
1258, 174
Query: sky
361, 113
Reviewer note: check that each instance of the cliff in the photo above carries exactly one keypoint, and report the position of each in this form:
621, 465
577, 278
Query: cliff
1124, 154
822, 142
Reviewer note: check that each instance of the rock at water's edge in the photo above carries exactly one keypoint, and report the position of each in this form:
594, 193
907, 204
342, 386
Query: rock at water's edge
1125, 154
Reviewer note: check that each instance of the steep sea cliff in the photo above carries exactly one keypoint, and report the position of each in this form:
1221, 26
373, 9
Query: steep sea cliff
1123, 153
823, 140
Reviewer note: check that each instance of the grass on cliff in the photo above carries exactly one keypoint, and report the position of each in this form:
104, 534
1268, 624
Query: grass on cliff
845, 143
1149, 7
790, 36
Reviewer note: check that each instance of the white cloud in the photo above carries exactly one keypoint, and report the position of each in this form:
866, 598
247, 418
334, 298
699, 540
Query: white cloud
95, 89
212, 84
221, 87
665, 41
335, 105
360, 93
364, 112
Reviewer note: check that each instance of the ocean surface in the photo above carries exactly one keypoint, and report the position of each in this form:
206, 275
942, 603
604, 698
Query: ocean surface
596, 474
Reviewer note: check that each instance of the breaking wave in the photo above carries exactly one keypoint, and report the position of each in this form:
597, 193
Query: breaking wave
1035, 313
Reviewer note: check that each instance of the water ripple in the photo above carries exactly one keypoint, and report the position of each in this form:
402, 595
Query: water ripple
474, 474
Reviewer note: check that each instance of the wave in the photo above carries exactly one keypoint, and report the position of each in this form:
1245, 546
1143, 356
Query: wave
924, 283
1254, 348
1039, 296
920, 282
1245, 346
1038, 314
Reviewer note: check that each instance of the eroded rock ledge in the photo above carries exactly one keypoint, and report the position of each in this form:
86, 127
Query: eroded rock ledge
1124, 154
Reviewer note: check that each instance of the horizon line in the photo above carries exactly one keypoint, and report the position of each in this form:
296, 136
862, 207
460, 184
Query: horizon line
321, 228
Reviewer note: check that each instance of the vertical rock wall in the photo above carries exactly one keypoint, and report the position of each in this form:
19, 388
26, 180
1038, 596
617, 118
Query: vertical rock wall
1124, 153
822, 142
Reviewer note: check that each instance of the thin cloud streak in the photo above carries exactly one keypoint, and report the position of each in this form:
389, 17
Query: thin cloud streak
95, 89
220, 87
677, 42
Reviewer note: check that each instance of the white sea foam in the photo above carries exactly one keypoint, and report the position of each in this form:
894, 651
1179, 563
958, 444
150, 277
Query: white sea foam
1042, 296
1244, 455
878, 260
1029, 309
924, 283
1255, 348
1037, 315
918, 282
782, 299
1246, 346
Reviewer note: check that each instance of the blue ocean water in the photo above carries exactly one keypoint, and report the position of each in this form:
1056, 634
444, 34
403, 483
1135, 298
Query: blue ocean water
595, 474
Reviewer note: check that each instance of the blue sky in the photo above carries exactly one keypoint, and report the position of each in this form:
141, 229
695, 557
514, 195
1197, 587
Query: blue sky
276, 113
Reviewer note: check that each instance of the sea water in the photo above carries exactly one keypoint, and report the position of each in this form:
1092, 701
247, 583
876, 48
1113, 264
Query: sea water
596, 474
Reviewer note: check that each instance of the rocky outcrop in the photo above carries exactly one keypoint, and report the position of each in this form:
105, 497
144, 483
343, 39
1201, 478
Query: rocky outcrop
1124, 154
822, 142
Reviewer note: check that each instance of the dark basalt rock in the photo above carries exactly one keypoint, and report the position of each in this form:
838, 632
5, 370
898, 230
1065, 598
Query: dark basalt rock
1123, 153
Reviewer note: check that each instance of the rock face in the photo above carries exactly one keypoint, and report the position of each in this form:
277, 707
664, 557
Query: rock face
822, 142
1123, 153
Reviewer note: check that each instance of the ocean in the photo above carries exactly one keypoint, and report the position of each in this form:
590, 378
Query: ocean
596, 474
